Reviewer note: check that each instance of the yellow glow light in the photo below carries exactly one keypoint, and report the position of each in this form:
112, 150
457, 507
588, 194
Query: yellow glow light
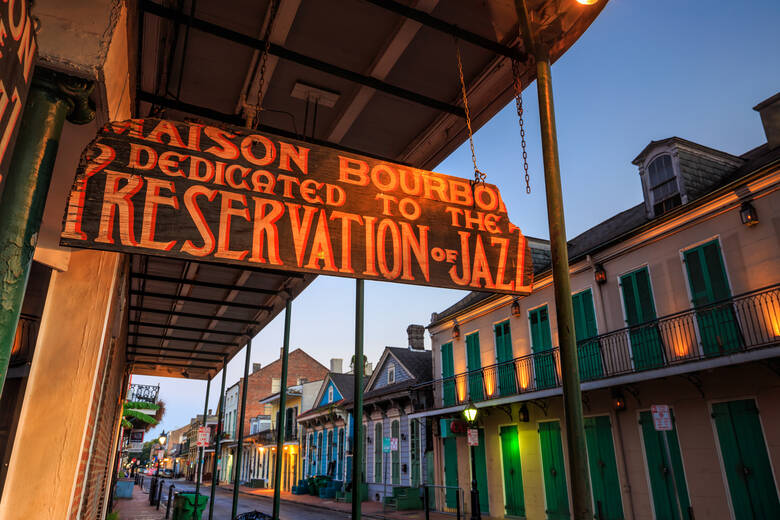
525, 377
587, 2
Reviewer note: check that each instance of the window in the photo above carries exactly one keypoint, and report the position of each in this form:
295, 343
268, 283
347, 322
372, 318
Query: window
391, 374
541, 345
639, 308
378, 452
330, 394
473, 365
662, 185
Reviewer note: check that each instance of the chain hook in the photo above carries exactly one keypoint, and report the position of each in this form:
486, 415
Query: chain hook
518, 88
479, 176
255, 122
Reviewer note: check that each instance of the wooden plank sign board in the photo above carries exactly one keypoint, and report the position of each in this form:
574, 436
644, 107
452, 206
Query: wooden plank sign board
237, 196
18, 54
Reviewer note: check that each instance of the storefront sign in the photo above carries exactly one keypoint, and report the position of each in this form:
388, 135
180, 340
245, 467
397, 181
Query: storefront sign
473, 437
241, 197
203, 437
393, 443
386, 444
662, 417
136, 441
18, 51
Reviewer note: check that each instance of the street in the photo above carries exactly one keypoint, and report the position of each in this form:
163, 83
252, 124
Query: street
246, 503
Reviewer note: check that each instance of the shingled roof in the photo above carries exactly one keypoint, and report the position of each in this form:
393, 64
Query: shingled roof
628, 221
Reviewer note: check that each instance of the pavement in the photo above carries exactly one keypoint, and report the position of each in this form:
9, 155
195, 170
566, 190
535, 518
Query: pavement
293, 507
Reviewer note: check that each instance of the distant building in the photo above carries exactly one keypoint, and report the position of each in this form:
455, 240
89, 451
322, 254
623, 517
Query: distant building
261, 383
677, 303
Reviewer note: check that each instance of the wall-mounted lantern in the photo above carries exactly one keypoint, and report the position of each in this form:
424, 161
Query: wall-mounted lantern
524, 415
456, 330
599, 274
748, 214
514, 309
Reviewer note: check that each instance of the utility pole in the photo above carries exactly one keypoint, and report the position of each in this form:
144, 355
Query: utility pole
564, 311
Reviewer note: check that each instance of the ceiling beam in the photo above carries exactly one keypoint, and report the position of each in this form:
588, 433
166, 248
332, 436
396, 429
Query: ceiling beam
162, 364
138, 323
301, 59
188, 340
450, 29
236, 120
192, 299
201, 283
133, 346
380, 69
190, 315
134, 355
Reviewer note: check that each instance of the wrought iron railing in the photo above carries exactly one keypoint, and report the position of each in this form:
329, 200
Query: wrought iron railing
745, 322
269, 436
145, 393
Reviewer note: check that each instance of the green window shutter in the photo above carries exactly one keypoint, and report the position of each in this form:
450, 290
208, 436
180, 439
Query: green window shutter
584, 315
448, 370
378, 452
603, 468
506, 370
638, 297
474, 363
713, 261
706, 274
513, 478
553, 471
540, 330
451, 471
746, 460
414, 452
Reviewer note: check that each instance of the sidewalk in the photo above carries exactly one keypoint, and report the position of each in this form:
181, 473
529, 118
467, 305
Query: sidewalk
138, 508
370, 509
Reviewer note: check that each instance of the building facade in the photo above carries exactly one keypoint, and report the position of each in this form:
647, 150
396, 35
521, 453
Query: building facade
396, 453
676, 303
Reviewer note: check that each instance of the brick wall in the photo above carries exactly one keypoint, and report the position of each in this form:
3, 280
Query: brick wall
300, 365
96, 463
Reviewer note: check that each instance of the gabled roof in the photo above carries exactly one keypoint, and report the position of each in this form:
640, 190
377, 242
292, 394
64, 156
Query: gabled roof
417, 363
679, 140
346, 386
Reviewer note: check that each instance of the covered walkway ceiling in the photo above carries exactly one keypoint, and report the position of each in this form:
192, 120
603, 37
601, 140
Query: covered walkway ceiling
377, 77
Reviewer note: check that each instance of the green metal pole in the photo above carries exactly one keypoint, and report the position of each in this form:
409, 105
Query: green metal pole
214, 481
564, 311
52, 98
357, 411
201, 451
280, 427
240, 447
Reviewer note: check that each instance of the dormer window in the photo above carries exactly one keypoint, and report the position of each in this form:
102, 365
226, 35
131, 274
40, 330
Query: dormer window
391, 374
662, 185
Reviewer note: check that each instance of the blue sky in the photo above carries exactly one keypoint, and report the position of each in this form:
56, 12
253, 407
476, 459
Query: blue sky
645, 70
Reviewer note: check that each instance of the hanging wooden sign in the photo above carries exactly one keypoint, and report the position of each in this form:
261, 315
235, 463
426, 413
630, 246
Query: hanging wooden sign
236, 196
18, 51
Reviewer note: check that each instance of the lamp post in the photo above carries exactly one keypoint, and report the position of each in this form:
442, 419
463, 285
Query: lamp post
470, 413
161, 441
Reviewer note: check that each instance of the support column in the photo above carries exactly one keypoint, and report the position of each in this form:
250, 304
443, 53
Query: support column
280, 427
564, 311
240, 427
217, 441
357, 411
53, 97
201, 451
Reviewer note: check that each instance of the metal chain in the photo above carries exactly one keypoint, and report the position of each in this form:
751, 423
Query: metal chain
478, 175
263, 61
519, 103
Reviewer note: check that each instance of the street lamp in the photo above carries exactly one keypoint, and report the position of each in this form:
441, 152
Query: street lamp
470, 413
162, 438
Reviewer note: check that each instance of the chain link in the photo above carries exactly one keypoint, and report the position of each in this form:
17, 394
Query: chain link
263, 61
518, 87
479, 176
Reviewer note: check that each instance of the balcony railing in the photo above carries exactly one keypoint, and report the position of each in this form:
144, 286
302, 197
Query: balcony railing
269, 436
145, 393
745, 322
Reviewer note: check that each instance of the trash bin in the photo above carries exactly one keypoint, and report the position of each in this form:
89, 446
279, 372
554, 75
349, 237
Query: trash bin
184, 504
124, 489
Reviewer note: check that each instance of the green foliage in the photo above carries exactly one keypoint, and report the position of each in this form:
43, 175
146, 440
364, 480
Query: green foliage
130, 411
112, 516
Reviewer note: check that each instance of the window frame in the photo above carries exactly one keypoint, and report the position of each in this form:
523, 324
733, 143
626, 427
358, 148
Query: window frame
646, 183
390, 374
